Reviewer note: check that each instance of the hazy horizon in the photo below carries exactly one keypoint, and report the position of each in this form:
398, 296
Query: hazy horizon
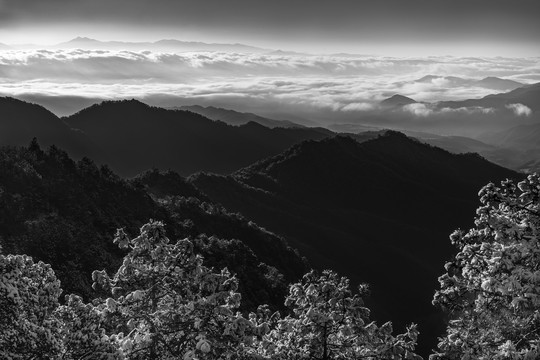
337, 62
388, 27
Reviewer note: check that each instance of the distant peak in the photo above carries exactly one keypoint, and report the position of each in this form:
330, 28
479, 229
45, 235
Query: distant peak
397, 100
253, 125
114, 104
83, 39
497, 79
393, 134
428, 78
491, 78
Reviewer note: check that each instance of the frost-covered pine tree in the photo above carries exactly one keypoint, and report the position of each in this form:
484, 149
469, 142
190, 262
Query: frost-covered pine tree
492, 287
29, 294
165, 304
329, 322
83, 333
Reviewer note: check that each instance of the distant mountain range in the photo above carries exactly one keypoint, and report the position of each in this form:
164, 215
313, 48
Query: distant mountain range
132, 136
168, 45
524, 136
236, 118
523, 141
379, 211
527, 95
490, 82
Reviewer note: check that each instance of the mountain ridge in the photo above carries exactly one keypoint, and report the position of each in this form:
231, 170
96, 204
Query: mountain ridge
489, 82
345, 204
163, 44
235, 118
177, 139
527, 95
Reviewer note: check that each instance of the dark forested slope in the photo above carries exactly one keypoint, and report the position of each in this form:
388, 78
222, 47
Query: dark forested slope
379, 211
66, 212
22, 121
133, 137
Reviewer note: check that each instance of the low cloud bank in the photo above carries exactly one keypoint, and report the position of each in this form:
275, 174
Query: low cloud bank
322, 88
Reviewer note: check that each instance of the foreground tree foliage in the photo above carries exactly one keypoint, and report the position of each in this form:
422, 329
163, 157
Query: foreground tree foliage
168, 304
328, 322
163, 303
29, 294
492, 287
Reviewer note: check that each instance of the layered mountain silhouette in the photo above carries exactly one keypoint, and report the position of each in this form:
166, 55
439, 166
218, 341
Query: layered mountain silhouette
495, 83
490, 82
524, 136
171, 45
236, 118
527, 95
523, 141
132, 137
379, 211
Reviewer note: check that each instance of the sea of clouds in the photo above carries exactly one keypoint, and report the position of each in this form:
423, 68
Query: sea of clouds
308, 83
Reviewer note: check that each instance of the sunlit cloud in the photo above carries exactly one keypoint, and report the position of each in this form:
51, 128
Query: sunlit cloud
519, 109
468, 110
358, 107
418, 109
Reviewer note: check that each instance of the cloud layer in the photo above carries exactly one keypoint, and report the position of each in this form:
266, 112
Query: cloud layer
304, 84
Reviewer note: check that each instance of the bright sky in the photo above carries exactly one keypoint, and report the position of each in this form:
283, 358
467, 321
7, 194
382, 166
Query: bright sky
390, 27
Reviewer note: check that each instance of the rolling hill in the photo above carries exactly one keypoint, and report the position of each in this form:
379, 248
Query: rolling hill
132, 137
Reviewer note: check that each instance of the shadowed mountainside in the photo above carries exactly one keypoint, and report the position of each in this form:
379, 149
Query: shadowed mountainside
21, 121
379, 212
133, 137
66, 213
